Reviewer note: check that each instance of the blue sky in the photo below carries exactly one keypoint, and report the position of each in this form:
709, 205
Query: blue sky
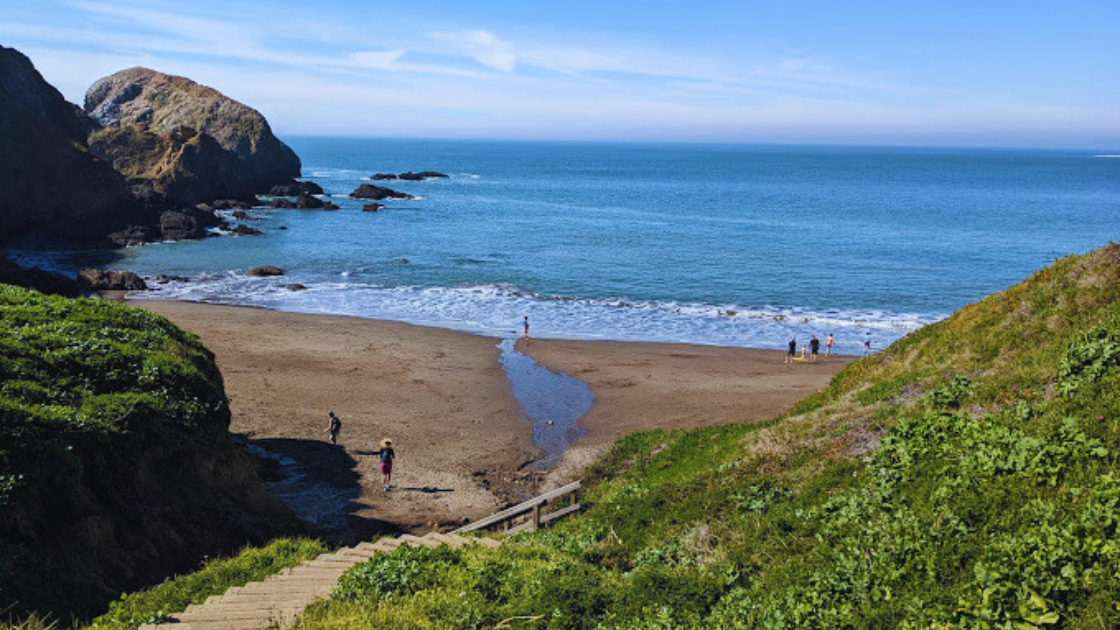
929, 73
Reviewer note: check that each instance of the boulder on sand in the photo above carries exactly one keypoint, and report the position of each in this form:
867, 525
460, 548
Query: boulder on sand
266, 271
103, 280
377, 193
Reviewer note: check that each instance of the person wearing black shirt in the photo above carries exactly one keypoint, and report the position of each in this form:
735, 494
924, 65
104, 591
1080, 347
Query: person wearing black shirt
386, 453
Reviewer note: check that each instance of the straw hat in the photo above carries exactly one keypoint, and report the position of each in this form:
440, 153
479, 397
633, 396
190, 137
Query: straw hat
386, 442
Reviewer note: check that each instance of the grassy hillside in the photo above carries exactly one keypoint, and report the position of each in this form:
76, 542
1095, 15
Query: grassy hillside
966, 477
116, 468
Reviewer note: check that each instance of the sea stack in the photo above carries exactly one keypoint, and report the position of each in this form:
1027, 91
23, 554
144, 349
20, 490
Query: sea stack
179, 142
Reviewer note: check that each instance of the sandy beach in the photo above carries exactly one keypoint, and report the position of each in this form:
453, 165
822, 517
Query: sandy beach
443, 398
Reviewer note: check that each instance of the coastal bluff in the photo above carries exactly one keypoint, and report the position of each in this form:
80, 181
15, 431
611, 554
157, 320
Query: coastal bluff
181, 142
52, 182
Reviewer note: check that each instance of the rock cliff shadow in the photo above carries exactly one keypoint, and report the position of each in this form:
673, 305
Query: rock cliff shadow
320, 483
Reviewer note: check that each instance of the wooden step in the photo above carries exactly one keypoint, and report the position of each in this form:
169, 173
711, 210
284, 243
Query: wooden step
420, 542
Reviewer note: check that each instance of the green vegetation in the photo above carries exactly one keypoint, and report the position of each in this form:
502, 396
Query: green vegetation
115, 460
251, 565
966, 477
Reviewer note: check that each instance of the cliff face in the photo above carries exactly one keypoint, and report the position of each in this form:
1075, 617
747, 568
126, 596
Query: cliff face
51, 180
183, 142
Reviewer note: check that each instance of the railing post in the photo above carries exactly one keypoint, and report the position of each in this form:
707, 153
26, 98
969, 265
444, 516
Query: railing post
536, 517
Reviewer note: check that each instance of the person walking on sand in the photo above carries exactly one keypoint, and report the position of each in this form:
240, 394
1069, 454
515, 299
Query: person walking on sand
828, 345
386, 453
814, 348
792, 349
334, 425
525, 328
867, 344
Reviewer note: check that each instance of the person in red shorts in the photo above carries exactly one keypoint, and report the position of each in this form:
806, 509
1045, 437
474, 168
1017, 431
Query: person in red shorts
386, 453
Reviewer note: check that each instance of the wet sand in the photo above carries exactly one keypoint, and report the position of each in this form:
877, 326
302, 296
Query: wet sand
640, 386
462, 438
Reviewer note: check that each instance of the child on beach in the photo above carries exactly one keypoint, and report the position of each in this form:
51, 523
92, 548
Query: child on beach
386, 453
828, 345
792, 350
334, 425
525, 328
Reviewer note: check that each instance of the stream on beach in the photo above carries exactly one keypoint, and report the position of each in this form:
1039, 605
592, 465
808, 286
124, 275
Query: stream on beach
553, 401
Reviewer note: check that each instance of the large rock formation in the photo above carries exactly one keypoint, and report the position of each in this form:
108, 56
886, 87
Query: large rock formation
179, 142
52, 183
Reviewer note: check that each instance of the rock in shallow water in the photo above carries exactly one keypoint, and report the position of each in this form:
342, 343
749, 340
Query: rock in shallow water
377, 193
244, 230
266, 271
103, 280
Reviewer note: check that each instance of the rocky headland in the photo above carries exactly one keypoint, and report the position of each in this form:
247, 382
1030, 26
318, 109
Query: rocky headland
53, 184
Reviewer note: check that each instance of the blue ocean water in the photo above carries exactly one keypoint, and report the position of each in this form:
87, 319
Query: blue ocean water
712, 244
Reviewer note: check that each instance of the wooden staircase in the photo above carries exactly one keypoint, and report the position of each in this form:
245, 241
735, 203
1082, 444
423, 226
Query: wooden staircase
276, 601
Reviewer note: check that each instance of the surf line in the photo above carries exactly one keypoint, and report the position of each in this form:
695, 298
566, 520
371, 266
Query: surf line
553, 401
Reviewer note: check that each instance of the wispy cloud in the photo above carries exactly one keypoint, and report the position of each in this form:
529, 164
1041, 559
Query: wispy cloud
321, 72
483, 46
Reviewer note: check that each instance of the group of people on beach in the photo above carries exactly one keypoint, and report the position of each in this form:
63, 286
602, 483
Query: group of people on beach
813, 347
386, 453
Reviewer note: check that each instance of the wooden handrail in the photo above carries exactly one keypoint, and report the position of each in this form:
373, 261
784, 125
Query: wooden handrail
532, 505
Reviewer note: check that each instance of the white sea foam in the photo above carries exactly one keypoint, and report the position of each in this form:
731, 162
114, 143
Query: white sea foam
1107, 156
496, 310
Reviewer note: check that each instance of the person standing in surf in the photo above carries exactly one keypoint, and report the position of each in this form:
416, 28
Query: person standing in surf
387, 454
334, 425
525, 328
867, 344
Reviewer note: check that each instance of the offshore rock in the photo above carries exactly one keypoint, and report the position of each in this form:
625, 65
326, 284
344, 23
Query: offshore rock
377, 193
231, 154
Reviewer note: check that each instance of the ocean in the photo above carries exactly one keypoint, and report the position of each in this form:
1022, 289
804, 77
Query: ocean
729, 245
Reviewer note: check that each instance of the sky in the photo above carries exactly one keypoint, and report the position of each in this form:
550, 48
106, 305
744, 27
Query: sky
942, 73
